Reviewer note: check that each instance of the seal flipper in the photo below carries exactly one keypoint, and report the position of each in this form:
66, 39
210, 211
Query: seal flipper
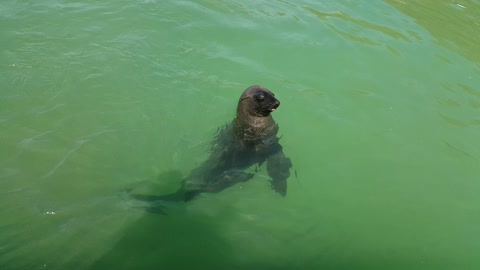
172, 197
278, 168
216, 184
227, 179
155, 204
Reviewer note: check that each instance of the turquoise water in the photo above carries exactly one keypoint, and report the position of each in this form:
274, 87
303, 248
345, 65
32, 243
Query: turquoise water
380, 117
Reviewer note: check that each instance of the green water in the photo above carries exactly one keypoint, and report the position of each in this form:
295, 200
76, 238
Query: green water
380, 116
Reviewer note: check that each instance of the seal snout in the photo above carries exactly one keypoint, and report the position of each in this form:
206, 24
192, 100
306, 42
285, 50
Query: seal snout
275, 106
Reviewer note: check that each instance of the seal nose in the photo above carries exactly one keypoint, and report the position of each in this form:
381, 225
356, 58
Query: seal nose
276, 104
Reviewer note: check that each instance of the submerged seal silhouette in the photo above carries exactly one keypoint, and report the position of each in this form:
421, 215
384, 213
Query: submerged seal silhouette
251, 138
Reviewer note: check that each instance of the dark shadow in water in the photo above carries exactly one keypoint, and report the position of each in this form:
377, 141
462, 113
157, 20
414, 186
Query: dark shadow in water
173, 240
167, 242
195, 242
182, 240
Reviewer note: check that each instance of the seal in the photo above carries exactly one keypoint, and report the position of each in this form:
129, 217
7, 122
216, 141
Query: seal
251, 138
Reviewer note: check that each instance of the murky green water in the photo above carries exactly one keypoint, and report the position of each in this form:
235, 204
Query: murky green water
380, 115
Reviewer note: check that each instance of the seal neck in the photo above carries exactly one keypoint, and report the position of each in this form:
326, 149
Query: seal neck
253, 128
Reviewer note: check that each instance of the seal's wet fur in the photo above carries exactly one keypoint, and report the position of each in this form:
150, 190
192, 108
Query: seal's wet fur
251, 138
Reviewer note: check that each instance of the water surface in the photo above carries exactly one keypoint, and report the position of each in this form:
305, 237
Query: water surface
380, 116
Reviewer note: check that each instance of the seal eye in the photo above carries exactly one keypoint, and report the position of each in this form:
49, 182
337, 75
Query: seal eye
260, 97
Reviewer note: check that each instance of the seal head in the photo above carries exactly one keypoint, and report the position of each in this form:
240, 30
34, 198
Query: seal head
254, 122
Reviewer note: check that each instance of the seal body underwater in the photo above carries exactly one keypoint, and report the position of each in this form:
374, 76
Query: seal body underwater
251, 138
